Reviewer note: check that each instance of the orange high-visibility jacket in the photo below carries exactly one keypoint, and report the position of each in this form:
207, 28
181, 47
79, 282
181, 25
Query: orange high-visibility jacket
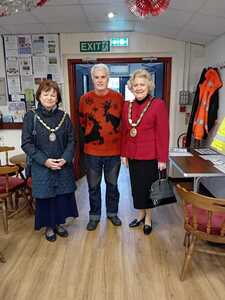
207, 88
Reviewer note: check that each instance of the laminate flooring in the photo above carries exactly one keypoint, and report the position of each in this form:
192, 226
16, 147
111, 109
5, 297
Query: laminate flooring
111, 263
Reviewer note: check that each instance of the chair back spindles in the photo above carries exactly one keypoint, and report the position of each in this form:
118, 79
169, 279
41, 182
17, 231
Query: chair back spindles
204, 220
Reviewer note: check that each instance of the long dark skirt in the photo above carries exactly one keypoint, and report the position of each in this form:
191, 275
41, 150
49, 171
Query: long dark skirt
142, 174
54, 211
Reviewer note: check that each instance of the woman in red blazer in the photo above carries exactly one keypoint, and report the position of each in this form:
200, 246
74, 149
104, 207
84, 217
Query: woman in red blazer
145, 143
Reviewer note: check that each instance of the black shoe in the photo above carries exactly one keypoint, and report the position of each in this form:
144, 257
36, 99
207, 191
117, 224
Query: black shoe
50, 235
136, 223
115, 220
61, 231
147, 229
92, 225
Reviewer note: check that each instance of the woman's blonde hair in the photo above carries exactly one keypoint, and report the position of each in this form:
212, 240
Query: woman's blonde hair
141, 73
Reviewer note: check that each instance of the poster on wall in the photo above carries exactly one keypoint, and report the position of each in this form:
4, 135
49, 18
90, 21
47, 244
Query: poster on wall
14, 85
52, 45
3, 98
17, 111
12, 67
40, 66
24, 45
27, 82
29, 96
10, 45
29, 59
25, 66
38, 45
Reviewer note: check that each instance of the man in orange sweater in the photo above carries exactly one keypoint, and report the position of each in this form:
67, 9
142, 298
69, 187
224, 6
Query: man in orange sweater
100, 115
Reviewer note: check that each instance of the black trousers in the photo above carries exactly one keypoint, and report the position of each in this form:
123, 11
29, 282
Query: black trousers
142, 174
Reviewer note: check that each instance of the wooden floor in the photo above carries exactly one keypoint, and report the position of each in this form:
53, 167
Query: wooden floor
111, 263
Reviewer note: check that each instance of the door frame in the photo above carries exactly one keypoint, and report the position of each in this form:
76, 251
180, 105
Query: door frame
74, 109
72, 77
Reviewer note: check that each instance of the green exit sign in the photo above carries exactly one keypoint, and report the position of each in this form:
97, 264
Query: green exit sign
95, 46
119, 42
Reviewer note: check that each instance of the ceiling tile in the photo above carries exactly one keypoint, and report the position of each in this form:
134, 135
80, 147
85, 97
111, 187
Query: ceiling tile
112, 26
121, 12
65, 13
154, 29
24, 28
195, 37
101, 1
60, 2
188, 5
22, 18
215, 7
171, 17
67, 27
3, 30
207, 24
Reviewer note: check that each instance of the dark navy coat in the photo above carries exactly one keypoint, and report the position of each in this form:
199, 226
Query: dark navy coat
47, 183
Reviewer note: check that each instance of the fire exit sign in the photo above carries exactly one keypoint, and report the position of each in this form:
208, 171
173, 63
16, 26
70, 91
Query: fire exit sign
95, 46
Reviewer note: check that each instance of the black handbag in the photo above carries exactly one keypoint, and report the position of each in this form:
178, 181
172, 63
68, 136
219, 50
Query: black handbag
161, 192
29, 158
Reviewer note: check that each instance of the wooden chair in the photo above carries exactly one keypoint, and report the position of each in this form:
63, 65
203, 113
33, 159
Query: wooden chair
6, 149
10, 185
204, 220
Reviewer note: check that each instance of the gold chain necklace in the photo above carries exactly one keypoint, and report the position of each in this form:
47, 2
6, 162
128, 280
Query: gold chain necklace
52, 135
133, 130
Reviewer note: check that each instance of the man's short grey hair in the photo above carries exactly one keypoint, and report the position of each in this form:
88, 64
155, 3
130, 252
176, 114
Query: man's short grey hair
101, 67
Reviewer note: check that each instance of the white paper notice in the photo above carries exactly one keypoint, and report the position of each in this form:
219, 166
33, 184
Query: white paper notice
24, 45
10, 45
14, 85
25, 66
12, 67
40, 66
27, 82
39, 45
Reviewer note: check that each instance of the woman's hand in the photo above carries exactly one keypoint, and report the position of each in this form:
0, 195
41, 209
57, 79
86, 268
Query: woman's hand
61, 162
161, 166
52, 164
124, 161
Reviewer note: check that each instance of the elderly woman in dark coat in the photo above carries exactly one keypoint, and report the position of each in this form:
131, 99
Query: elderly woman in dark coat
51, 150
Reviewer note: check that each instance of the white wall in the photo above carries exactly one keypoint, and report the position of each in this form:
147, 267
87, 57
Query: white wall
143, 45
140, 45
215, 54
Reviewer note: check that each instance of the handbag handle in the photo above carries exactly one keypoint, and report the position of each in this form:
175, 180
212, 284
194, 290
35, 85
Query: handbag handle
163, 175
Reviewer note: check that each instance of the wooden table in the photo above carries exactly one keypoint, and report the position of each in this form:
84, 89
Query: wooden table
20, 161
195, 166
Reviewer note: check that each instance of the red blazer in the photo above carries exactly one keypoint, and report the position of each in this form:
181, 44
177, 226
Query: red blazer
152, 139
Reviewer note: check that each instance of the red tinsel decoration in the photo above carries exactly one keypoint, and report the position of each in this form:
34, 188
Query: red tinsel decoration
41, 2
142, 8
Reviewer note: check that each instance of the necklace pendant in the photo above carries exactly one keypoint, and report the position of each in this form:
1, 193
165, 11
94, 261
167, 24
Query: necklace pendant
52, 137
133, 132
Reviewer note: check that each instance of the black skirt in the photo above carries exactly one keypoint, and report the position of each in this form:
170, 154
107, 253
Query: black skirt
50, 212
142, 174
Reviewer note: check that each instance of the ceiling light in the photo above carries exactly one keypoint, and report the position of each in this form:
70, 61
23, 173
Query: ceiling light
9, 7
111, 15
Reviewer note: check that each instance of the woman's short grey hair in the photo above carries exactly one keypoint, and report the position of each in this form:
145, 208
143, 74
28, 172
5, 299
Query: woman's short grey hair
101, 67
141, 73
